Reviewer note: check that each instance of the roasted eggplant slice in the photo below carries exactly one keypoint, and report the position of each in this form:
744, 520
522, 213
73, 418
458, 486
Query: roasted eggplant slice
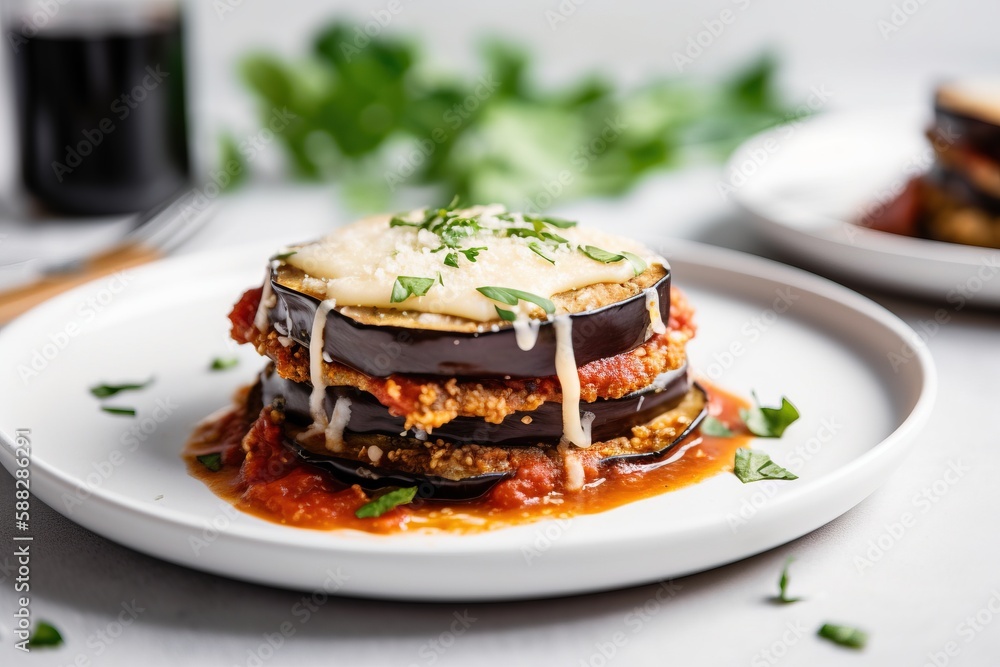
382, 350
968, 117
371, 477
454, 471
961, 191
612, 417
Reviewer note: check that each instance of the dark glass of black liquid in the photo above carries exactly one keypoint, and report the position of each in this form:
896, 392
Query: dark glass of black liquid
101, 113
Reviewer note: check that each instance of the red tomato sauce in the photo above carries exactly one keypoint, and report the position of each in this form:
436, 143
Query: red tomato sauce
260, 476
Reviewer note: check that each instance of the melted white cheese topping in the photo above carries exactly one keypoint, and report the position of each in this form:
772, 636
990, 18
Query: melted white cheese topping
268, 300
359, 264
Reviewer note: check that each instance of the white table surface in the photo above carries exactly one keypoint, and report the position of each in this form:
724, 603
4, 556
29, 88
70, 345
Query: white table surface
914, 598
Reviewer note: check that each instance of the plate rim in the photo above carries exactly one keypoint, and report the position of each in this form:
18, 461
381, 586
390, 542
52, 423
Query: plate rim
359, 543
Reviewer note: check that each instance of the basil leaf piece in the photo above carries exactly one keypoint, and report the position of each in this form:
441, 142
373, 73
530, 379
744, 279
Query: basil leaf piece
547, 237
451, 259
751, 466
211, 461
407, 286
844, 635
769, 422
386, 502
45, 635
638, 263
537, 249
222, 364
506, 315
440, 279
285, 255
501, 294
511, 296
105, 390
523, 232
713, 427
600, 255
125, 412
782, 597
396, 221
561, 223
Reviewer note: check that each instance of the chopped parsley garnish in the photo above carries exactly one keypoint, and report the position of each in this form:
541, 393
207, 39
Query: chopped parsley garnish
537, 249
761, 421
222, 364
386, 502
472, 253
45, 635
510, 297
407, 286
431, 215
452, 230
782, 596
106, 390
125, 412
844, 635
753, 466
769, 422
285, 255
713, 427
211, 461
440, 279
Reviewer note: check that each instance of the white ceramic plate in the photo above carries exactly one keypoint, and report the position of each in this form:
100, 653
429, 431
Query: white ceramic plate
805, 183
763, 326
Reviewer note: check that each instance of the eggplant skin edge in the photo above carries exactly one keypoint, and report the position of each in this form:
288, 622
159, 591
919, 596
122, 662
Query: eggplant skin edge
371, 477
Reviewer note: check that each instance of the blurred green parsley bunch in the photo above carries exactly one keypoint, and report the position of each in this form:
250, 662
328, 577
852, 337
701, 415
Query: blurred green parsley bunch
371, 116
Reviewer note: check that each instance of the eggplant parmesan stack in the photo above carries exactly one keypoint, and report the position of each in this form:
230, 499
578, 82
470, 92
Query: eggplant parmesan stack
467, 351
958, 199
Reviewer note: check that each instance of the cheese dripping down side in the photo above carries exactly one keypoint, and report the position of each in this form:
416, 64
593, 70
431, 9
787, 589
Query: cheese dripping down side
656, 325
569, 381
334, 433
574, 474
318, 396
267, 302
526, 331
